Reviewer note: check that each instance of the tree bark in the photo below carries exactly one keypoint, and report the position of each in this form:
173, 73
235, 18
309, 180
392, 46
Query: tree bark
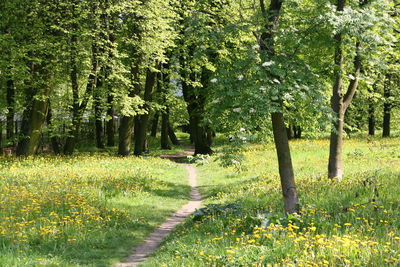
35, 114
141, 134
340, 102
387, 108
55, 145
110, 125
11, 108
172, 136
154, 124
371, 116
98, 114
165, 130
286, 173
77, 109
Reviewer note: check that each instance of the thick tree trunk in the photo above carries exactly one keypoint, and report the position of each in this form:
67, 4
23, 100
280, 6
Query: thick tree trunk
154, 124
33, 120
10, 107
387, 108
141, 134
127, 122
110, 125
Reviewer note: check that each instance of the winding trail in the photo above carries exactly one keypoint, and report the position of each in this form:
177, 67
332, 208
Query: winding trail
153, 241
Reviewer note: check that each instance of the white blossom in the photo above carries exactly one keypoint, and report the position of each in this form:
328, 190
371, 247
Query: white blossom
242, 130
268, 63
214, 80
240, 77
237, 110
252, 110
276, 81
263, 89
216, 101
256, 47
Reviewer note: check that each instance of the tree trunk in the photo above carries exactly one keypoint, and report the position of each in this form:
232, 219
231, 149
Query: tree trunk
127, 122
11, 109
33, 120
387, 108
98, 114
267, 49
77, 110
55, 145
285, 163
141, 134
371, 116
172, 135
165, 130
154, 124
110, 126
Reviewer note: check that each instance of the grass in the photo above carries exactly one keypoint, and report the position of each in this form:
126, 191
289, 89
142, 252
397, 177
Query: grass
354, 222
86, 210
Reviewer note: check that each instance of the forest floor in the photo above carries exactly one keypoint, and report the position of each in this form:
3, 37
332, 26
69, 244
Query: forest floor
92, 208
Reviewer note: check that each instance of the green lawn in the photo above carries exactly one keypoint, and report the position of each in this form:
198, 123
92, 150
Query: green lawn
87, 210
354, 222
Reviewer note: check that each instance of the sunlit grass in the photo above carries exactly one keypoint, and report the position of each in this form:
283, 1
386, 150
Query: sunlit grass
353, 222
84, 210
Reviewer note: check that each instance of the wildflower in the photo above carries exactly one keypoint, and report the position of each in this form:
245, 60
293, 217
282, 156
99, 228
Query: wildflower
240, 77
263, 89
242, 130
214, 80
237, 110
268, 63
256, 47
252, 110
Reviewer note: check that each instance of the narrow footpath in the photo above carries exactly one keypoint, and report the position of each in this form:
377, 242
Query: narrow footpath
153, 241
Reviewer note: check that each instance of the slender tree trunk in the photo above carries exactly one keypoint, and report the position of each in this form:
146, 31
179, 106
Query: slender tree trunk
340, 102
285, 163
371, 116
172, 135
10, 107
286, 173
154, 124
110, 125
165, 130
387, 108
55, 145
141, 134
98, 114
77, 109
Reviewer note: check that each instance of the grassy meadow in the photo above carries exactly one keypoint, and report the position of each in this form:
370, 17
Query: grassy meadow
353, 222
86, 210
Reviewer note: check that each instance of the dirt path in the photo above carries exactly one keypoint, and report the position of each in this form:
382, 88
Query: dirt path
148, 246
